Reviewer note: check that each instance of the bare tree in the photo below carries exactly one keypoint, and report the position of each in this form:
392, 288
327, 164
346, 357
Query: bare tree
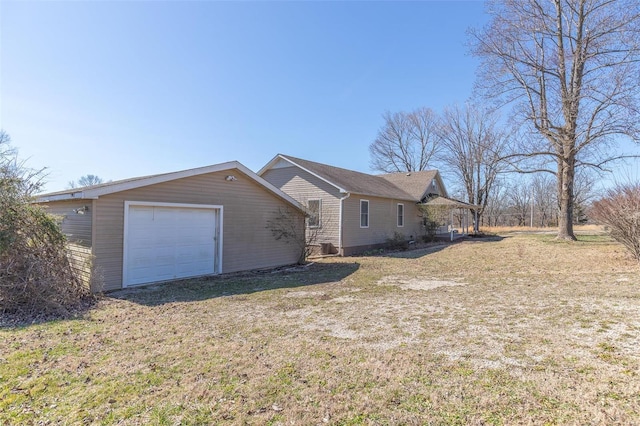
619, 211
497, 204
286, 226
406, 143
519, 195
36, 276
545, 201
584, 193
473, 147
86, 180
570, 68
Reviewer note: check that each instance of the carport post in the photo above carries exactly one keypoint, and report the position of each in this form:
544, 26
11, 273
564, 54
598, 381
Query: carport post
451, 223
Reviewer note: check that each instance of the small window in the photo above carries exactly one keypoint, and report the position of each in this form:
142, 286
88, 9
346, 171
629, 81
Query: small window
400, 215
364, 214
314, 213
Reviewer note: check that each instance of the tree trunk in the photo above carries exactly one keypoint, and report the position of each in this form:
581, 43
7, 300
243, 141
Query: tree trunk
566, 174
477, 214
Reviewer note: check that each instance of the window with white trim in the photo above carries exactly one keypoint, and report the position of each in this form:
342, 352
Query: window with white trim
315, 209
400, 215
364, 213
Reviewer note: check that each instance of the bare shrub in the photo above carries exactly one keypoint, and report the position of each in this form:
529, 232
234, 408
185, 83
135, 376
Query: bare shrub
36, 278
619, 211
286, 226
397, 242
432, 218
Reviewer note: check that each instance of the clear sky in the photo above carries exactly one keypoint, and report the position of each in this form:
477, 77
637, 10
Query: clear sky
130, 88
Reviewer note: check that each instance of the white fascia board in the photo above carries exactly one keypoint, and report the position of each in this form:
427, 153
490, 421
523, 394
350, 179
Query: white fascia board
278, 192
441, 183
61, 197
269, 165
282, 157
95, 193
152, 180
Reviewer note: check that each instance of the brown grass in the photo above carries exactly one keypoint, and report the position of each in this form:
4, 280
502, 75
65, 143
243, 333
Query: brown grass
578, 229
515, 330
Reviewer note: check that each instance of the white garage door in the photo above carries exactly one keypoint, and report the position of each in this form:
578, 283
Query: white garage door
168, 241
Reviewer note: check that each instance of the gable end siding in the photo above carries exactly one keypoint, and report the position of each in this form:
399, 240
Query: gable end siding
302, 187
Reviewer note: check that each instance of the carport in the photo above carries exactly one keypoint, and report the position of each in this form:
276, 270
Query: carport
450, 205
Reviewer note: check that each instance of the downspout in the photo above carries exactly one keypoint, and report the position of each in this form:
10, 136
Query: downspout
340, 224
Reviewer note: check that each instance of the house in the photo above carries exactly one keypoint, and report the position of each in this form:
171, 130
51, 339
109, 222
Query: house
351, 211
208, 220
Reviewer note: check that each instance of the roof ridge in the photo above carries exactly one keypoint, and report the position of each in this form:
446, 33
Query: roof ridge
407, 173
384, 187
326, 165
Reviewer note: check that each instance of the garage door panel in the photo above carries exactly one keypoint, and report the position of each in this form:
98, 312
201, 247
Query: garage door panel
165, 243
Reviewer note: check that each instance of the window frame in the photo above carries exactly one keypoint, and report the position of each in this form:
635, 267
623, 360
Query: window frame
367, 213
319, 225
400, 217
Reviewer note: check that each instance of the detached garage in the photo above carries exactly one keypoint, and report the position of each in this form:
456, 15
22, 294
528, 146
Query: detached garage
204, 221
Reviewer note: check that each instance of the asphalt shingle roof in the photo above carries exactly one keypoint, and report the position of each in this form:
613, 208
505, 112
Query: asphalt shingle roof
403, 186
415, 184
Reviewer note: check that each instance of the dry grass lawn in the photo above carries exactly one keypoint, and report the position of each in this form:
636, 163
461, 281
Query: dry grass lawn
515, 330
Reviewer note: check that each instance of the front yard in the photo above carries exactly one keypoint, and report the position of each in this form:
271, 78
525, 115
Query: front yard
517, 329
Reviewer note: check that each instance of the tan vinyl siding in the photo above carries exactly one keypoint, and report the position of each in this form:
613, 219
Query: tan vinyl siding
247, 243
302, 187
80, 259
77, 229
383, 221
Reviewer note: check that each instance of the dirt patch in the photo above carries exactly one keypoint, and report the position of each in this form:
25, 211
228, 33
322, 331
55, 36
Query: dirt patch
417, 283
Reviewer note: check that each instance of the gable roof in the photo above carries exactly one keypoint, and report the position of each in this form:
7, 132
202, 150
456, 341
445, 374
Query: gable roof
417, 184
384, 186
95, 191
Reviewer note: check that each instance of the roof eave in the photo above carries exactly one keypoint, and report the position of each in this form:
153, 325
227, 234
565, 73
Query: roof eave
63, 197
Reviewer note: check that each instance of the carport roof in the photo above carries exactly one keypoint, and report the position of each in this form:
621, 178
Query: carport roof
441, 201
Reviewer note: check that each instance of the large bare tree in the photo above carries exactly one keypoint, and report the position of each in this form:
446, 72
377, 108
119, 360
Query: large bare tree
472, 147
406, 143
570, 69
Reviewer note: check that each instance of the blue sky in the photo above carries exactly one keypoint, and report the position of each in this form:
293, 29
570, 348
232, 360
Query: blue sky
129, 88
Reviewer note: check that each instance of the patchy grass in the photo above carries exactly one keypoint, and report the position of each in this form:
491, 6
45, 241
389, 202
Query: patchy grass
511, 330
578, 229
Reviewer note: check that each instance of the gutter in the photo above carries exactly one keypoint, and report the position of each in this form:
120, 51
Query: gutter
340, 224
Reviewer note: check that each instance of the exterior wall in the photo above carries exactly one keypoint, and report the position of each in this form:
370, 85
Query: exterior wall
247, 243
382, 222
78, 229
302, 187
